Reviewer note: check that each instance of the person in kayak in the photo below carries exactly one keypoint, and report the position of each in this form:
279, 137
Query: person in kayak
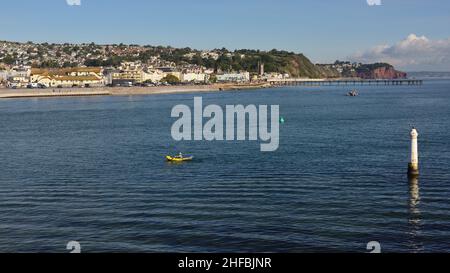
179, 158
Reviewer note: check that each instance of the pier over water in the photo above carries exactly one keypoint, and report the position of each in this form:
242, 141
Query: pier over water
334, 82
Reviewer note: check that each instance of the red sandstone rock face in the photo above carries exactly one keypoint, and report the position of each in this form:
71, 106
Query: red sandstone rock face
383, 73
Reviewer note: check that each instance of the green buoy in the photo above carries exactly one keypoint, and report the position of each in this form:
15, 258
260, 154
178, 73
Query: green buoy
282, 120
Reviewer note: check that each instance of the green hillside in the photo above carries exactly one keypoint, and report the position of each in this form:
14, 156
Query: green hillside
297, 65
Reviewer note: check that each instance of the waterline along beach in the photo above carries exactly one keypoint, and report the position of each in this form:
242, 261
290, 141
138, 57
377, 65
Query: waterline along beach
104, 91
214, 137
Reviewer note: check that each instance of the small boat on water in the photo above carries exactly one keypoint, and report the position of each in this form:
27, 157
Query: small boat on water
179, 158
353, 93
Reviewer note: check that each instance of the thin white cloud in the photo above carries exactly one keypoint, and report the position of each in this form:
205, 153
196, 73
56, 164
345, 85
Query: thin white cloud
73, 2
374, 2
414, 52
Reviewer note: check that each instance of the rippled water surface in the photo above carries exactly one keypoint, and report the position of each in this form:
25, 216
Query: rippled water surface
93, 170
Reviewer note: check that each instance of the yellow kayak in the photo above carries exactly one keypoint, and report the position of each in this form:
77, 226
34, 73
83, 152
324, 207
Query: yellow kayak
179, 158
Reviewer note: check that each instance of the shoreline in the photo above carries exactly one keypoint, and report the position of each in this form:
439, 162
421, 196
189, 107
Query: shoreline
7, 93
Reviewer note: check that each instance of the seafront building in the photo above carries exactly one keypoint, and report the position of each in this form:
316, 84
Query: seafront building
128, 72
153, 75
194, 77
16, 76
172, 71
274, 75
234, 77
68, 77
17, 81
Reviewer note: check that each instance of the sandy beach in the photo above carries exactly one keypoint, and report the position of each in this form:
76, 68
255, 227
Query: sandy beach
123, 91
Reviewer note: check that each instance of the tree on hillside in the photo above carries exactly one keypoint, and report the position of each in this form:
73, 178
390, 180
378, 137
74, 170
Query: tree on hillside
49, 64
93, 63
8, 59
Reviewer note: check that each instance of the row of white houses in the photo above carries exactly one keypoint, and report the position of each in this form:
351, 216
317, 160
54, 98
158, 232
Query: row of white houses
97, 76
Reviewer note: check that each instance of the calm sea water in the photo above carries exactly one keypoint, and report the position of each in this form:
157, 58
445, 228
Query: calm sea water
93, 170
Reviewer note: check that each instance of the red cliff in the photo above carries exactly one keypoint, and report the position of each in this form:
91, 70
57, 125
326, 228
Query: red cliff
386, 72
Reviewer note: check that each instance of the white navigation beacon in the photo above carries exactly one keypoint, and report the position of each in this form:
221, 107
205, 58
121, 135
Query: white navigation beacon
413, 167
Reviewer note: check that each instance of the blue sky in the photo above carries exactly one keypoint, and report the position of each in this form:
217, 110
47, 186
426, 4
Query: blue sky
324, 30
